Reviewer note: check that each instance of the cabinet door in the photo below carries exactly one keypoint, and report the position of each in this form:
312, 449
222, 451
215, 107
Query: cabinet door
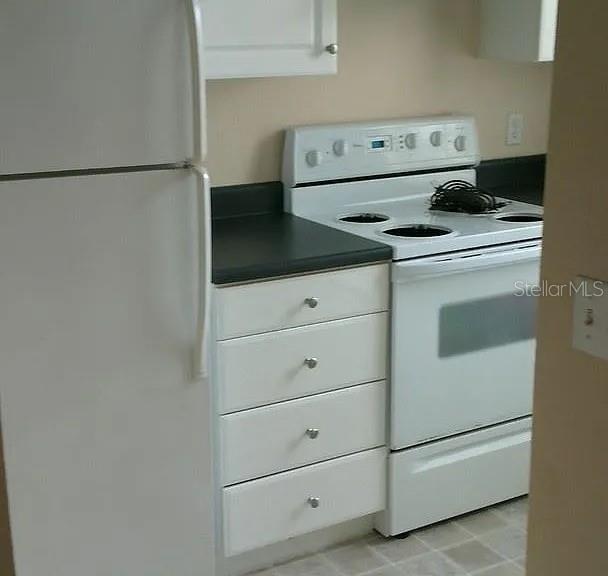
248, 38
519, 30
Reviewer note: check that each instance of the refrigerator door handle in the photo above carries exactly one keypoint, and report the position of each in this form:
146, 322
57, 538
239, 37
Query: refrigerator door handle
195, 12
204, 301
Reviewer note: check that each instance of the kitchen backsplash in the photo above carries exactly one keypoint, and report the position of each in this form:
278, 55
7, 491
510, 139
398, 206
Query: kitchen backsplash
398, 58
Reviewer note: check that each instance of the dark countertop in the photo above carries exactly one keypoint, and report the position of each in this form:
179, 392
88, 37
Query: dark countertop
254, 239
254, 247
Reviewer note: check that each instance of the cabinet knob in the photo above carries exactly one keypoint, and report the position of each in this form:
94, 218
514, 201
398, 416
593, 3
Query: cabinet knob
312, 302
311, 362
312, 433
314, 502
332, 49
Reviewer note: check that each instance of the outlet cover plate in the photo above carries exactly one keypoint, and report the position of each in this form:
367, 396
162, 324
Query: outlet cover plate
515, 129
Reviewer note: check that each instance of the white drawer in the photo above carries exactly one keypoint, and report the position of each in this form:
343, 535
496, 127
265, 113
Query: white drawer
266, 368
282, 436
277, 507
265, 306
430, 483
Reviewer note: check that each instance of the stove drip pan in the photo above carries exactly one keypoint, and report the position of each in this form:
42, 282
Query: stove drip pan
418, 231
364, 218
520, 218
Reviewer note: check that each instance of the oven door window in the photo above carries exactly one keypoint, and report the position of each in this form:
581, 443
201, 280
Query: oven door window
475, 325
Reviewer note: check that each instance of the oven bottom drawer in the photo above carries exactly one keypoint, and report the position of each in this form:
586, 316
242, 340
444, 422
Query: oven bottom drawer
278, 507
450, 477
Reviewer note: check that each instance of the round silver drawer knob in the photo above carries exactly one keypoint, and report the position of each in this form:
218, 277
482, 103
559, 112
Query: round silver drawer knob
312, 433
311, 362
332, 48
312, 302
314, 502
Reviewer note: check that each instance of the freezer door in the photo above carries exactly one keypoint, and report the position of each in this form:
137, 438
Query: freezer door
105, 421
93, 84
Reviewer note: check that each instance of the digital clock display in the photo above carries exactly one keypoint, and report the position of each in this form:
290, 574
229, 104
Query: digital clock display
378, 143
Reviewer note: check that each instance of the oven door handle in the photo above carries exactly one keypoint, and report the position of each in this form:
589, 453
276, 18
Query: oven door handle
412, 271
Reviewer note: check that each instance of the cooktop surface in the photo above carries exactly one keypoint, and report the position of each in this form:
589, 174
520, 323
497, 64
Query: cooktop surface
414, 230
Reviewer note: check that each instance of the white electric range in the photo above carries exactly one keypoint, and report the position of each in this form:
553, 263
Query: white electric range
463, 312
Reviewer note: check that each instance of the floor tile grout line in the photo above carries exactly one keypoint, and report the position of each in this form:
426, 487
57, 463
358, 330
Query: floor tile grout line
508, 518
514, 523
493, 512
522, 568
332, 563
472, 537
441, 550
435, 549
432, 549
477, 537
365, 545
495, 550
489, 567
395, 563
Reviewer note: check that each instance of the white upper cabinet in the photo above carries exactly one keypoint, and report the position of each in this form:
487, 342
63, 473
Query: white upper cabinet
520, 30
253, 38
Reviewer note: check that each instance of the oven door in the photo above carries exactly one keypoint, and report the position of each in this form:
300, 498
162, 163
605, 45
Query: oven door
463, 341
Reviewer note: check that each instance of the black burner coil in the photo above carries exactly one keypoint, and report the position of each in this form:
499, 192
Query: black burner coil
461, 196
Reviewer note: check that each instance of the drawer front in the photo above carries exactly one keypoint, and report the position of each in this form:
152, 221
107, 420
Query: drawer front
469, 472
277, 507
258, 370
284, 436
286, 303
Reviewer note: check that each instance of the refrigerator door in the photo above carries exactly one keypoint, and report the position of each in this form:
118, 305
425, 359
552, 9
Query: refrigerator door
106, 423
90, 84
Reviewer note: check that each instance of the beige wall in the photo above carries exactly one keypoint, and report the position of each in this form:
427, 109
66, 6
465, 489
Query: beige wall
397, 58
569, 504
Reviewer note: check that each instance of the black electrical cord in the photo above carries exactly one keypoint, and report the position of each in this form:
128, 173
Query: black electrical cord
464, 197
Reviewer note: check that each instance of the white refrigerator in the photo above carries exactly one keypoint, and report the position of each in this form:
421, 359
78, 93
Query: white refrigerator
104, 288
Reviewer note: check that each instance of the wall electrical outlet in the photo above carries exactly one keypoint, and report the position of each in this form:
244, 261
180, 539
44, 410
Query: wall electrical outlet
515, 129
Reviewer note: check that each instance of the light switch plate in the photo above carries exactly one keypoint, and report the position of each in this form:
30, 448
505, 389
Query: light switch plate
590, 321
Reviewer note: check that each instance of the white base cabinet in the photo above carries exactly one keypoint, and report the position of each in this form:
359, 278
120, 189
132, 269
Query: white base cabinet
300, 371
520, 30
254, 38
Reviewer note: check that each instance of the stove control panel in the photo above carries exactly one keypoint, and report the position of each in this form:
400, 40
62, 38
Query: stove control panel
342, 151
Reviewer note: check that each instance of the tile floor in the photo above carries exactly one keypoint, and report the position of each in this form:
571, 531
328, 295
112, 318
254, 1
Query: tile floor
487, 543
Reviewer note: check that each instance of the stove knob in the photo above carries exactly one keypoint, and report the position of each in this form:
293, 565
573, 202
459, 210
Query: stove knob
314, 158
436, 138
340, 147
460, 143
410, 141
